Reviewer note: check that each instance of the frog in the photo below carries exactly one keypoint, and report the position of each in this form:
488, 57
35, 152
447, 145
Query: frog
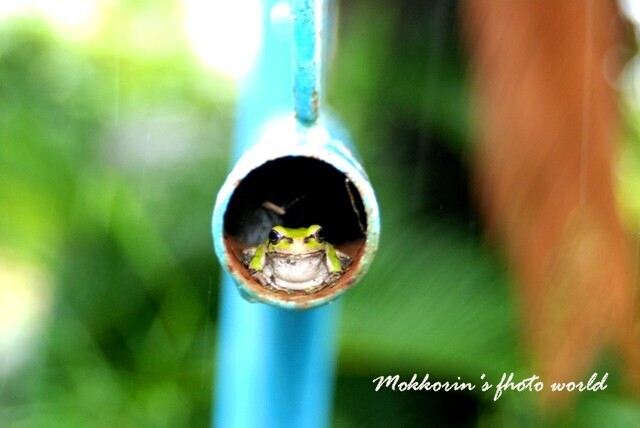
296, 260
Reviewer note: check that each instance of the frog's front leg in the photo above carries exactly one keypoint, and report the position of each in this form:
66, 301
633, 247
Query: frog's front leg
254, 258
345, 260
334, 265
246, 255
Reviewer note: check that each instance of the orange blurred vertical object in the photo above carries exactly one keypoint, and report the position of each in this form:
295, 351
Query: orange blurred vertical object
547, 121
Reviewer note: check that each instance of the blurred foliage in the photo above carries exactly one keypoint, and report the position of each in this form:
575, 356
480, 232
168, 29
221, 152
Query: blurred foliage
111, 151
110, 158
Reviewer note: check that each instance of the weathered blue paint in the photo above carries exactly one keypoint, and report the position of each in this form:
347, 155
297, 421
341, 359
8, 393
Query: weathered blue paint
306, 58
275, 367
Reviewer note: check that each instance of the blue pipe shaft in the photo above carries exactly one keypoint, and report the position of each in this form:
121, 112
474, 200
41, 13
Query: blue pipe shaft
274, 366
306, 59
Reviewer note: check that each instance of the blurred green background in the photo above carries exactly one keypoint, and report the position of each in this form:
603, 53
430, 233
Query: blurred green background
115, 135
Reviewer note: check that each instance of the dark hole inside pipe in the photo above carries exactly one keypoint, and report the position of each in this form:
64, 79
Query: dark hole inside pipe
295, 192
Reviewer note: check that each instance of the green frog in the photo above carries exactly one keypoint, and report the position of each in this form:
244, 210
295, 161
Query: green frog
296, 260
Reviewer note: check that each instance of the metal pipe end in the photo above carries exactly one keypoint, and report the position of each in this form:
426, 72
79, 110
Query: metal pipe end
297, 176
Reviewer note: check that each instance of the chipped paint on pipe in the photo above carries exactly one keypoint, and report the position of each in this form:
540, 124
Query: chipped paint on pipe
306, 16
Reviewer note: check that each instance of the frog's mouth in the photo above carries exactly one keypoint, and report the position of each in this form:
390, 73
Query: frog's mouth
315, 254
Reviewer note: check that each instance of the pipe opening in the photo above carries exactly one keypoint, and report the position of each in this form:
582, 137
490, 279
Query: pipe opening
295, 192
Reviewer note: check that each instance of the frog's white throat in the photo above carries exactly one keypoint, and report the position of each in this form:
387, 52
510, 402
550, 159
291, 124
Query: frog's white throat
297, 272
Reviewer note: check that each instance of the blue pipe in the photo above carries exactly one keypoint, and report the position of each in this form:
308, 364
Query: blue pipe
274, 366
306, 58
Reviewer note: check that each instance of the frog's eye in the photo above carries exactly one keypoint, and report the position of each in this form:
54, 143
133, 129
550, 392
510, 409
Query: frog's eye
320, 235
275, 237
